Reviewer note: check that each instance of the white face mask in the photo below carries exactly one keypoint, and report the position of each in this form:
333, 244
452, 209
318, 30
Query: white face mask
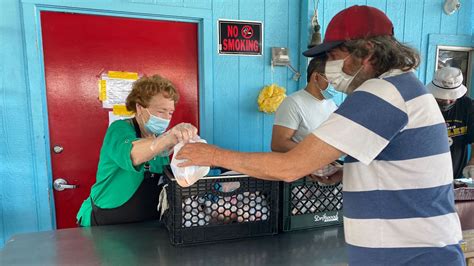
338, 78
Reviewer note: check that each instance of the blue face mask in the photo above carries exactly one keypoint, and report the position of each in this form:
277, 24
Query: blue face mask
328, 93
156, 125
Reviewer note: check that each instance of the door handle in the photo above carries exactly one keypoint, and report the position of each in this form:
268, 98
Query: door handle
61, 184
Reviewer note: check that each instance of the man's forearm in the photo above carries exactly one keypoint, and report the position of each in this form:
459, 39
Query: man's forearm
268, 166
287, 166
284, 146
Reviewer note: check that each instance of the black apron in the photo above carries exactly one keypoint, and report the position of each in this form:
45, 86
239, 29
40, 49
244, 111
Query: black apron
140, 207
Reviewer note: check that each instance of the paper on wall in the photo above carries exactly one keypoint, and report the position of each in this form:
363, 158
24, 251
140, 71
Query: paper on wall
117, 91
115, 86
113, 117
121, 109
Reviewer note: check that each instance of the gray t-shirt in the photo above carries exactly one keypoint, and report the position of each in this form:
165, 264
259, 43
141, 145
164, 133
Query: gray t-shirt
303, 112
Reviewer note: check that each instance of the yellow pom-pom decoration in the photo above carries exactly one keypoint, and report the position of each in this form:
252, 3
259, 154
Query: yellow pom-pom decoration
270, 98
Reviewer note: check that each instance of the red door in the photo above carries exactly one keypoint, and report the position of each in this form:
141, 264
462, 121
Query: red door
77, 48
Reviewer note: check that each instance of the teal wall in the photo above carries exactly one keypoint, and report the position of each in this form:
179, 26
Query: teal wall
19, 202
237, 80
232, 83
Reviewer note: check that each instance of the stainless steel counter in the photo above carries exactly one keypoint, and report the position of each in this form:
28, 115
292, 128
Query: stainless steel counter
148, 243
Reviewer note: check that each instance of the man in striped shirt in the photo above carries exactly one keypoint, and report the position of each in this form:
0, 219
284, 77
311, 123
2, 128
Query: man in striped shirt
398, 195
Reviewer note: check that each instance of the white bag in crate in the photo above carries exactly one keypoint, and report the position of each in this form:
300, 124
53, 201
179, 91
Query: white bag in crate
187, 176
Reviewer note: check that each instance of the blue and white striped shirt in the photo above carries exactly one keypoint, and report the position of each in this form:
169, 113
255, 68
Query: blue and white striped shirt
398, 195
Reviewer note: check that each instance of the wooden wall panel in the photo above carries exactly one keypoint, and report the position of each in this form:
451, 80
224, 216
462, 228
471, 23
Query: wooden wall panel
226, 83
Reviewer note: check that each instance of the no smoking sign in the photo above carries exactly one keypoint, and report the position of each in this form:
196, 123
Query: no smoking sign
239, 37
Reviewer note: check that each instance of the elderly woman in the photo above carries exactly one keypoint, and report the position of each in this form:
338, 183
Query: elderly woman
133, 155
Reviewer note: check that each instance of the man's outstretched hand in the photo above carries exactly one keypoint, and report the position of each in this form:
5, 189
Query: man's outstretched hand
197, 154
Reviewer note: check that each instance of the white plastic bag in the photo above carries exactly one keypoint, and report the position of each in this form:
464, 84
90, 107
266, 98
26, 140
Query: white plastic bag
187, 176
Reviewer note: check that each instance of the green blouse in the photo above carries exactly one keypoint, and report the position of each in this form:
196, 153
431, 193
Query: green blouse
117, 179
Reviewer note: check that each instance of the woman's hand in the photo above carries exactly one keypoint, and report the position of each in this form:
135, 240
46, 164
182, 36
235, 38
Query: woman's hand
182, 132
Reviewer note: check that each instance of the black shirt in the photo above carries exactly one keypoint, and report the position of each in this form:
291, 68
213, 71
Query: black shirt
460, 123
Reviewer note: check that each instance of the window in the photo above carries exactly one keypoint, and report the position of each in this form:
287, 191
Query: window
456, 56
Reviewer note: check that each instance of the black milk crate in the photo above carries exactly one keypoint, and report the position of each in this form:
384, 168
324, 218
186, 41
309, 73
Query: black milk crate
308, 204
204, 213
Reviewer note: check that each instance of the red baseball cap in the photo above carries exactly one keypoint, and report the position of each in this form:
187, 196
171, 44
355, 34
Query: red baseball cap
355, 22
